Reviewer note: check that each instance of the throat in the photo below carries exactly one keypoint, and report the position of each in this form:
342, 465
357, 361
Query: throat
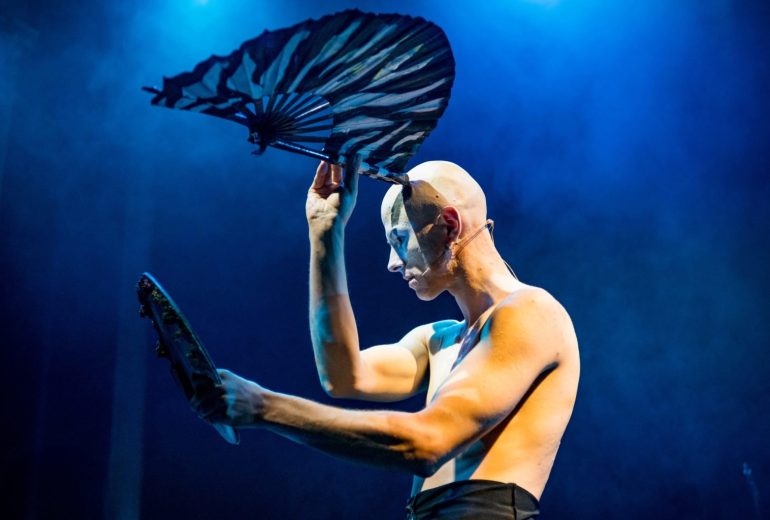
481, 286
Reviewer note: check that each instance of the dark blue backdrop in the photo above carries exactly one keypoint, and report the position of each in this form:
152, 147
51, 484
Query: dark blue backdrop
624, 149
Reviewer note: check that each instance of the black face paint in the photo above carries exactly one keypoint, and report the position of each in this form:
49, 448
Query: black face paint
423, 205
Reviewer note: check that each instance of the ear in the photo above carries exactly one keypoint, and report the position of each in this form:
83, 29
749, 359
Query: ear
454, 225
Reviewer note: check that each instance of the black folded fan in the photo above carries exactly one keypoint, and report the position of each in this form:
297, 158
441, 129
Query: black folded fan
349, 83
191, 365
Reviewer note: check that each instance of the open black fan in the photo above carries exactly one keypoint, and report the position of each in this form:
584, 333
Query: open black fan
349, 83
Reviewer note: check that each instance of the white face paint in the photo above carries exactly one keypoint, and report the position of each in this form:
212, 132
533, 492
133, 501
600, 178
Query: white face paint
417, 241
418, 229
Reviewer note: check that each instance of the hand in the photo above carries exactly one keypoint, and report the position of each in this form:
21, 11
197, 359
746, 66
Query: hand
236, 402
330, 201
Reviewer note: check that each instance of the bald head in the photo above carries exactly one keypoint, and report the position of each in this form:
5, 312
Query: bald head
435, 185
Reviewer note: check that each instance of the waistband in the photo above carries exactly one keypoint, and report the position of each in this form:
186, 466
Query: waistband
473, 499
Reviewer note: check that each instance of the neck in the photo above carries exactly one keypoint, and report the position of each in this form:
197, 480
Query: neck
481, 279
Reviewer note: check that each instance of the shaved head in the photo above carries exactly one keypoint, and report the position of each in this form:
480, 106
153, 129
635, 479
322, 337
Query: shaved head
435, 185
427, 222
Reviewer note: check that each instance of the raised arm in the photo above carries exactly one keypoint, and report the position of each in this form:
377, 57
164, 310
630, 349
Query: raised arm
382, 373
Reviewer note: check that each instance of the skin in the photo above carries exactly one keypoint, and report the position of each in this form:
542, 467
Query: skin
496, 406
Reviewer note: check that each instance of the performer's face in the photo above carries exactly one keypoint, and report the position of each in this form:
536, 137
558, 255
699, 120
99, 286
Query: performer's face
417, 236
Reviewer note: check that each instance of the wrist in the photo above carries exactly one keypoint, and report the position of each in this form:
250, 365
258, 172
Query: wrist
267, 412
326, 232
260, 401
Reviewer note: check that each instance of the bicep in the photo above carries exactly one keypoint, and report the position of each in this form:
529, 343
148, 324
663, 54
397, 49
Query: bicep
395, 371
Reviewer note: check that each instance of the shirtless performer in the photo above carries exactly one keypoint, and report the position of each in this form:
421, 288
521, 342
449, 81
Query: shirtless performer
500, 384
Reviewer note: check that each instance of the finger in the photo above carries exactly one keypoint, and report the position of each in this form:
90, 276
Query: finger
215, 416
208, 389
333, 173
336, 174
207, 408
201, 402
320, 175
202, 381
352, 175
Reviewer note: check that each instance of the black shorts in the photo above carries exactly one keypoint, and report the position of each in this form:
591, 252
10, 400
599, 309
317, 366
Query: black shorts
473, 499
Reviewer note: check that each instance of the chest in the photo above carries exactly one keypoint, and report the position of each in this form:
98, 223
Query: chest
441, 362
447, 351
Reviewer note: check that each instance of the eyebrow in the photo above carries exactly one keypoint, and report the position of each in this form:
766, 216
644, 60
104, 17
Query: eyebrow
396, 209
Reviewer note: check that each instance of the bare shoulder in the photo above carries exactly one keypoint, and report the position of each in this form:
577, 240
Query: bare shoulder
532, 319
534, 299
428, 331
442, 334
441, 326
431, 336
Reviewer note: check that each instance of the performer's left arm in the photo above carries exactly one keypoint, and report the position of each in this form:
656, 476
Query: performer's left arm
521, 341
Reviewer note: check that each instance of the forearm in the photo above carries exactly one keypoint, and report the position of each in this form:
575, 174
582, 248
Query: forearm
383, 438
332, 323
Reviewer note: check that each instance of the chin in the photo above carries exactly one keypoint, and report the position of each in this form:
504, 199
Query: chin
427, 295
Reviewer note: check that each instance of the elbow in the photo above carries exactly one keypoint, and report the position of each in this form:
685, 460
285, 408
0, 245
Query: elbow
425, 451
425, 467
342, 386
336, 390
426, 462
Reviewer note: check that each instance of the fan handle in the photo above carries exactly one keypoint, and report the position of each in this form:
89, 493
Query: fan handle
366, 169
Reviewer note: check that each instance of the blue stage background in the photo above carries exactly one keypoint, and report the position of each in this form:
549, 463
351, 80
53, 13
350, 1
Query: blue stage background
623, 147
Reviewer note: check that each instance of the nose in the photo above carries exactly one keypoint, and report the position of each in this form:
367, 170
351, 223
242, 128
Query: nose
395, 264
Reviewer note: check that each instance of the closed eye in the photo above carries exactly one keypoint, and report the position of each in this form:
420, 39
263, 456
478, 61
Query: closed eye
395, 238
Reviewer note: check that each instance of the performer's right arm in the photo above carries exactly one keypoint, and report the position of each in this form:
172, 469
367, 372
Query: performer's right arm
383, 373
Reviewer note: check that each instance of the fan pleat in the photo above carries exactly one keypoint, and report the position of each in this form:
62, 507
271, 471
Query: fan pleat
352, 81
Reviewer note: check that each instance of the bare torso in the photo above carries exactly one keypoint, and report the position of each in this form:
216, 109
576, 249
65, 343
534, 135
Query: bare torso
520, 449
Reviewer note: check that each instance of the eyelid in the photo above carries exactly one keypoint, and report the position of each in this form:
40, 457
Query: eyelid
396, 237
